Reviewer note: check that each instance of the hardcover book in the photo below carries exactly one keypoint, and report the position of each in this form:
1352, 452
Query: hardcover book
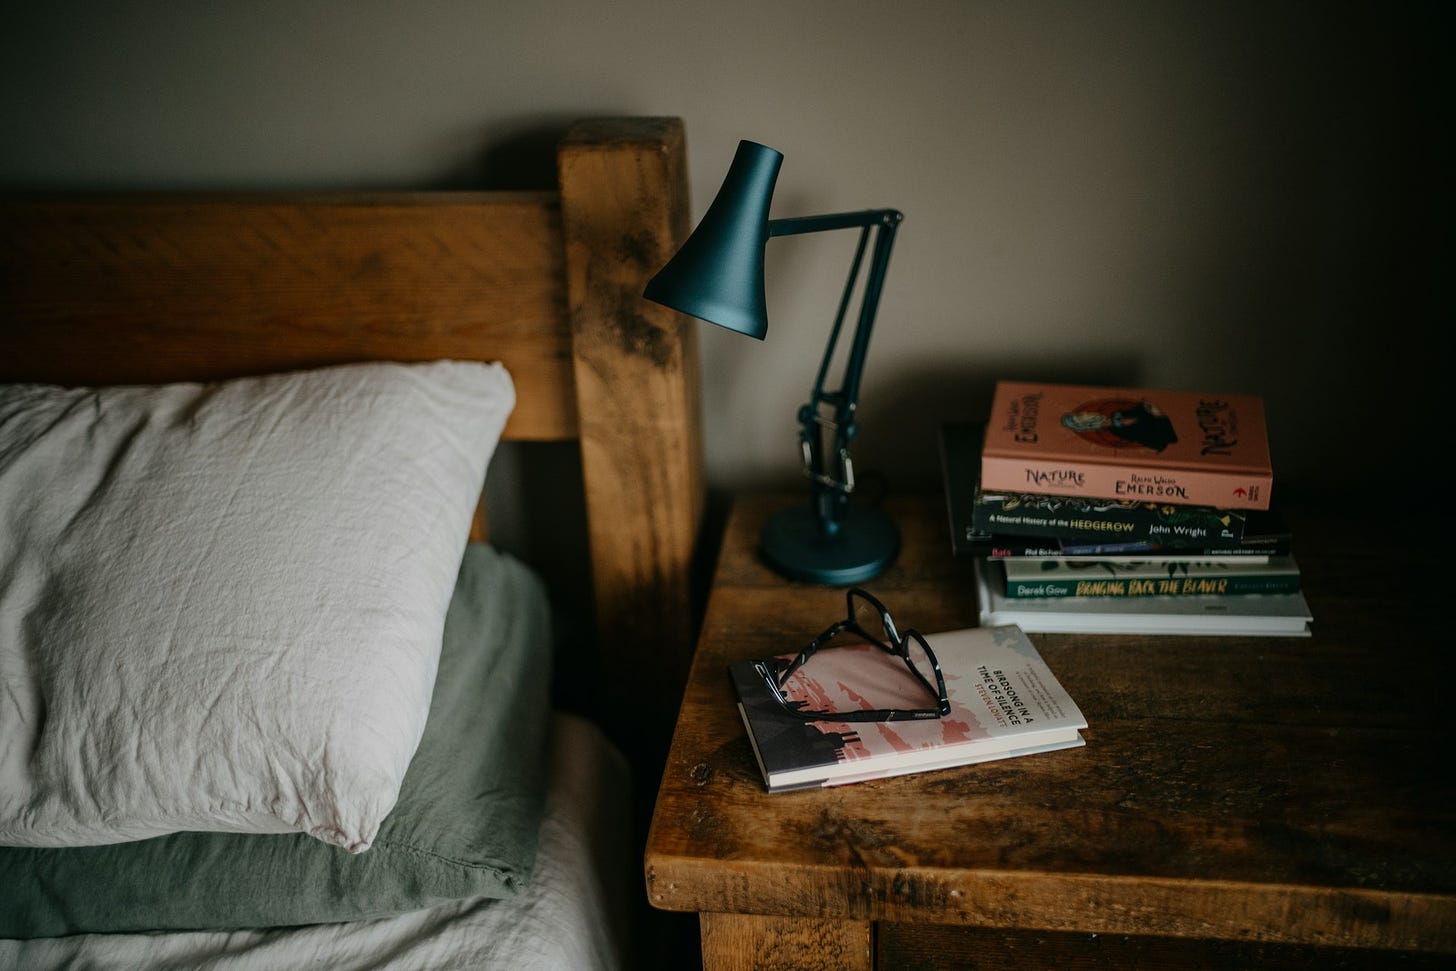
1263, 532
1148, 578
1255, 615
1081, 520
1005, 702
1179, 447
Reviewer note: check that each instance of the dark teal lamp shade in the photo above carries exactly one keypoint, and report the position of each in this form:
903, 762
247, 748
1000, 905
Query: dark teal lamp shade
717, 275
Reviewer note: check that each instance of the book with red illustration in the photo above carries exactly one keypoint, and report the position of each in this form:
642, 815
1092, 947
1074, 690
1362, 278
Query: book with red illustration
1004, 702
1139, 444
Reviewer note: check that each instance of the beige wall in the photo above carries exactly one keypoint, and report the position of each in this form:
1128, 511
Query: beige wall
1214, 196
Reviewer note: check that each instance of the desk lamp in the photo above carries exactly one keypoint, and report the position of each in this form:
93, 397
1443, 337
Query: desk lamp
717, 276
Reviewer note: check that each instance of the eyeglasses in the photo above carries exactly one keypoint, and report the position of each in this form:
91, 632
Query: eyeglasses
911, 648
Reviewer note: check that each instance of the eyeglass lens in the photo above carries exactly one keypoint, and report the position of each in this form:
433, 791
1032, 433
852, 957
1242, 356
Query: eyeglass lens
847, 674
872, 618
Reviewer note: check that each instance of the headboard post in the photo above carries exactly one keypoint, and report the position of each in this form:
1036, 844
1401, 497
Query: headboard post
641, 453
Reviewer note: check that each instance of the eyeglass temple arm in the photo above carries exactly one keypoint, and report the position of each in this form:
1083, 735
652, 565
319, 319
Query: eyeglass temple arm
809, 651
832, 491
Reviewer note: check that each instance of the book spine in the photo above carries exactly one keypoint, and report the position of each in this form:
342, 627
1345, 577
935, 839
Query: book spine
1078, 523
960, 450
1260, 547
1151, 587
1143, 483
997, 548
1033, 547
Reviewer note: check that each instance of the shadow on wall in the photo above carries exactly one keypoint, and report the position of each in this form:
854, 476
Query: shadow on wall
516, 155
551, 537
899, 443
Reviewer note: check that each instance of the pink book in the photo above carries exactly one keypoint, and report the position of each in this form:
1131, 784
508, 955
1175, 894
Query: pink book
1175, 447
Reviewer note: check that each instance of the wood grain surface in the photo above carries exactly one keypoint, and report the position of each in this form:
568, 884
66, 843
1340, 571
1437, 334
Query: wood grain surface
1269, 790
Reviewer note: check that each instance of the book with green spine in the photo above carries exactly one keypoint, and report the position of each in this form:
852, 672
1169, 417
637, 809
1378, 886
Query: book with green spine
1148, 578
1255, 615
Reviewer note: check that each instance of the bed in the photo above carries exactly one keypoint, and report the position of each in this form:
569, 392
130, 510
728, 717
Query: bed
271, 697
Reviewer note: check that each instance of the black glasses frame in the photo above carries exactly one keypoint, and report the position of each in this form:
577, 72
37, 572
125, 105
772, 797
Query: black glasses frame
776, 671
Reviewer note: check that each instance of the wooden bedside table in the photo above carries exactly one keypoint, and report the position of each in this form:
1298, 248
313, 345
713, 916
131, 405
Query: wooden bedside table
1238, 800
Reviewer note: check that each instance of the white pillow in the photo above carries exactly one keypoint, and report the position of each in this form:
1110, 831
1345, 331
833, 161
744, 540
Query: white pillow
221, 605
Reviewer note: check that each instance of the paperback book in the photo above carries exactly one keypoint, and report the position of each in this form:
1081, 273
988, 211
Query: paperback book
1005, 703
1252, 615
1148, 578
1179, 447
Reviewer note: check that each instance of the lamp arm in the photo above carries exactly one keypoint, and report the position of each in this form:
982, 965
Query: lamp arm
798, 225
831, 492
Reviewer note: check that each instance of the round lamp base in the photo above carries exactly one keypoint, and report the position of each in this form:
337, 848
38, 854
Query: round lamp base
865, 545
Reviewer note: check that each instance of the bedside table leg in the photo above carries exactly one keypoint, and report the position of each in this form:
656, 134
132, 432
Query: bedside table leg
740, 942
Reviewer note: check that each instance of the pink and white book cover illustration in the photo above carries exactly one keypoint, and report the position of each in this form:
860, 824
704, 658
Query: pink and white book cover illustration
1004, 700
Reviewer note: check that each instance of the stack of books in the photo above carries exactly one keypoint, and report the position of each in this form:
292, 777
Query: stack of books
1117, 510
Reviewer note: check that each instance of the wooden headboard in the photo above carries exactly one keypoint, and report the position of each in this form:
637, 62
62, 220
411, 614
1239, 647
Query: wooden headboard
156, 287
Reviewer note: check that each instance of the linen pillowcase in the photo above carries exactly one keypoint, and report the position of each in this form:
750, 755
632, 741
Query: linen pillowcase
466, 825
221, 605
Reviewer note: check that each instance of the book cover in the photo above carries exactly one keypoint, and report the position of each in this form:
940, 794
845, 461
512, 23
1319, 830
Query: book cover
1082, 520
1005, 702
1180, 447
1256, 615
1147, 578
